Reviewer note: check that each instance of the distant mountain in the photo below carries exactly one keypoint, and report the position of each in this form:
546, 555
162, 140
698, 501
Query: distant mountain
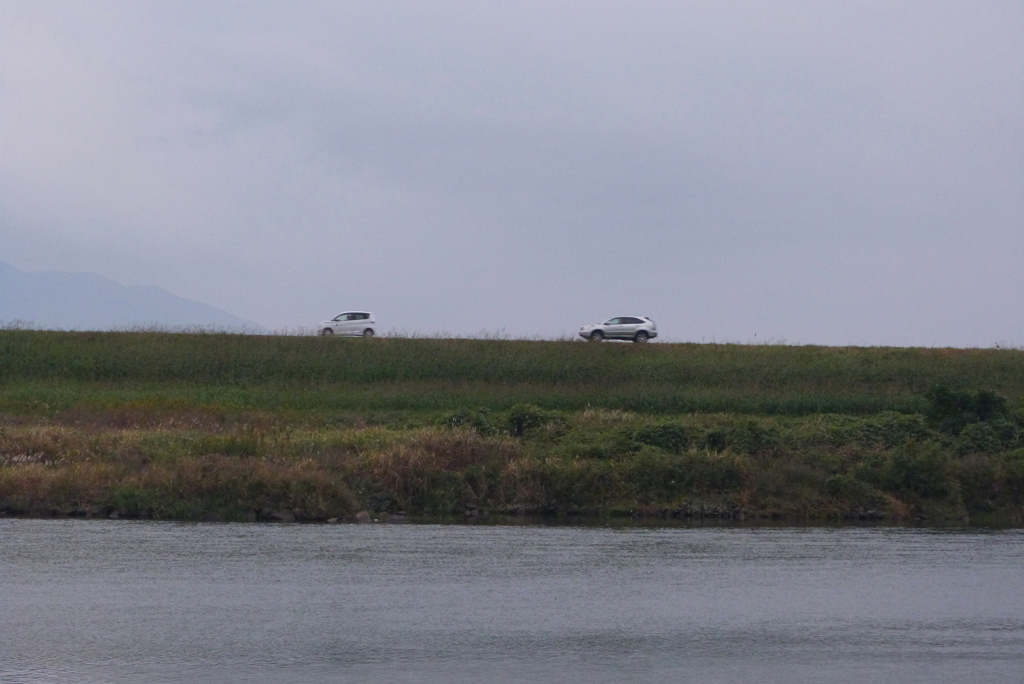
86, 301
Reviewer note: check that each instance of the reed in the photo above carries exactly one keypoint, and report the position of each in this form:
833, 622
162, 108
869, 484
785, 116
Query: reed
286, 362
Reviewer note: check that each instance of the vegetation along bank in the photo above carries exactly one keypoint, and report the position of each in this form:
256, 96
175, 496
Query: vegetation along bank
241, 427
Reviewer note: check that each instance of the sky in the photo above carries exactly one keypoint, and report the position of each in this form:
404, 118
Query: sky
801, 172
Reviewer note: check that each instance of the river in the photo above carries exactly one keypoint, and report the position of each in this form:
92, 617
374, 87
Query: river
104, 601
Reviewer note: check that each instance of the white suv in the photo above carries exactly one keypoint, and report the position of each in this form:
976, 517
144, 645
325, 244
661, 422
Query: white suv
350, 324
636, 328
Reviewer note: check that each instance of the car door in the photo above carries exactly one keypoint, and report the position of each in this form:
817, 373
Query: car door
345, 324
629, 327
360, 322
613, 328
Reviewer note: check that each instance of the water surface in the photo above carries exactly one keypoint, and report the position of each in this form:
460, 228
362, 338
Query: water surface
124, 601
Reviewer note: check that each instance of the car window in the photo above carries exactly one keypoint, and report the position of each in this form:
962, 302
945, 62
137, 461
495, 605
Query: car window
630, 320
614, 321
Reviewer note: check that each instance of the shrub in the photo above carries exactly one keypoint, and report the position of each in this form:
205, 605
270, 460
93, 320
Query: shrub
523, 417
667, 435
1012, 473
594, 444
890, 429
476, 419
716, 472
846, 487
988, 437
841, 486
920, 469
980, 481
953, 410
753, 438
716, 439
748, 437
990, 481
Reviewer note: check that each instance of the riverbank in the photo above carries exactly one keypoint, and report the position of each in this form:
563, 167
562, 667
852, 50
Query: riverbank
232, 427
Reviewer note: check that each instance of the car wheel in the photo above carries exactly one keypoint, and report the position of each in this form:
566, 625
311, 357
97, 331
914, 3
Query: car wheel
326, 332
368, 333
641, 336
596, 336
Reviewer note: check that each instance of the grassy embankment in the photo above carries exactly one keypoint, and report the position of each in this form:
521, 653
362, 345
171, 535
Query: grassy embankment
244, 427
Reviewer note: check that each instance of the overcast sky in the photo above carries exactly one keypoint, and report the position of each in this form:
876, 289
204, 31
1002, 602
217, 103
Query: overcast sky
808, 172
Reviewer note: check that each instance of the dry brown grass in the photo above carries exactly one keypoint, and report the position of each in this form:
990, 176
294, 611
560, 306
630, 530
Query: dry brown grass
432, 468
35, 488
241, 486
187, 489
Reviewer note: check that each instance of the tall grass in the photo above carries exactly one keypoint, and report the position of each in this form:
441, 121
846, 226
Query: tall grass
280, 372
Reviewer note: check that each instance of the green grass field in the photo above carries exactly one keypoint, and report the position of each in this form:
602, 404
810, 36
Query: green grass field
245, 427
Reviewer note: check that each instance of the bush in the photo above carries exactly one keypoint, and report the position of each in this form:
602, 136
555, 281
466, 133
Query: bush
988, 437
747, 437
841, 486
754, 438
989, 482
890, 430
1012, 472
667, 435
920, 469
848, 488
953, 410
716, 473
716, 439
523, 417
477, 420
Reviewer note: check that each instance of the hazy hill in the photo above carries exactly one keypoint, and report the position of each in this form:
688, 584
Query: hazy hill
86, 301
